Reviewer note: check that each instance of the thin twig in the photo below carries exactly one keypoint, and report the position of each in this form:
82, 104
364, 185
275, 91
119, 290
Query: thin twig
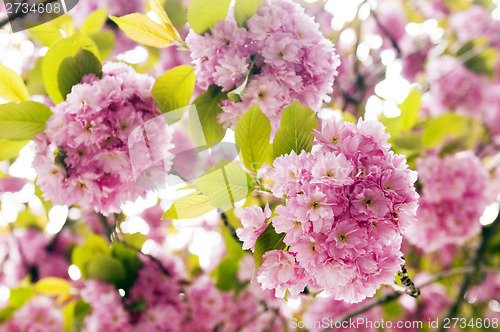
469, 278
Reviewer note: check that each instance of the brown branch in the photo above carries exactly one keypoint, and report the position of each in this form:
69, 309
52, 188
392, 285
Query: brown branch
476, 264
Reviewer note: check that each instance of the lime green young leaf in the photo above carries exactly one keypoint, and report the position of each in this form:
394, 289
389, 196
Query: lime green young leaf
105, 42
244, 9
12, 87
107, 269
267, 241
95, 21
56, 54
410, 108
207, 107
174, 88
17, 298
10, 149
446, 126
225, 185
52, 286
74, 68
165, 20
295, 132
189, 206
74, 314
203, 14
252, 135
50, 32
144, 30
84, 254
35, 80
176, 12
22, 121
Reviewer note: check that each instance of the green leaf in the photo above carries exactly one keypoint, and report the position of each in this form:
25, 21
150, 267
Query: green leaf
17, 298
175, 10
74, 68
35, 80
74, 314
445, 127
244, 9
22, 121
267, 241
95, 21
165, 20
295, 132
174, 88
105, 42
83, 255
52, 31
203, 14
144, 30
10, 149
225, 274
252, 135
410, 108
207, 107
128, 258
483, 62
225, 185
189, 206
56, 54
107, 269
136, 240
52, 286
12, 87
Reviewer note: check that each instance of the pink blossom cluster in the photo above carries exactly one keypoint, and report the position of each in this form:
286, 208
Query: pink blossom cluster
30, 252
286, 54
454, 195
108, 313
453, 87
346, 205
39, 314
84, 155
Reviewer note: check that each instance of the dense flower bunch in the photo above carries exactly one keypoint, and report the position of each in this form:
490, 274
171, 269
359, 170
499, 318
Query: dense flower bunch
93, 132
30, 252
454, 196
40, 314
346, 205
286, 54
108, 313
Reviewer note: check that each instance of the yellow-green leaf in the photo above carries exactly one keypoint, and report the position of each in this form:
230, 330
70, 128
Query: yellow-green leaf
252, 136
53, 286
244, 9
189, 206
144, 30
174, 88
22, 121
165, 20
410, 108
95, 21
203, 14
12, 87
10, 149
227, 184
56, 54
